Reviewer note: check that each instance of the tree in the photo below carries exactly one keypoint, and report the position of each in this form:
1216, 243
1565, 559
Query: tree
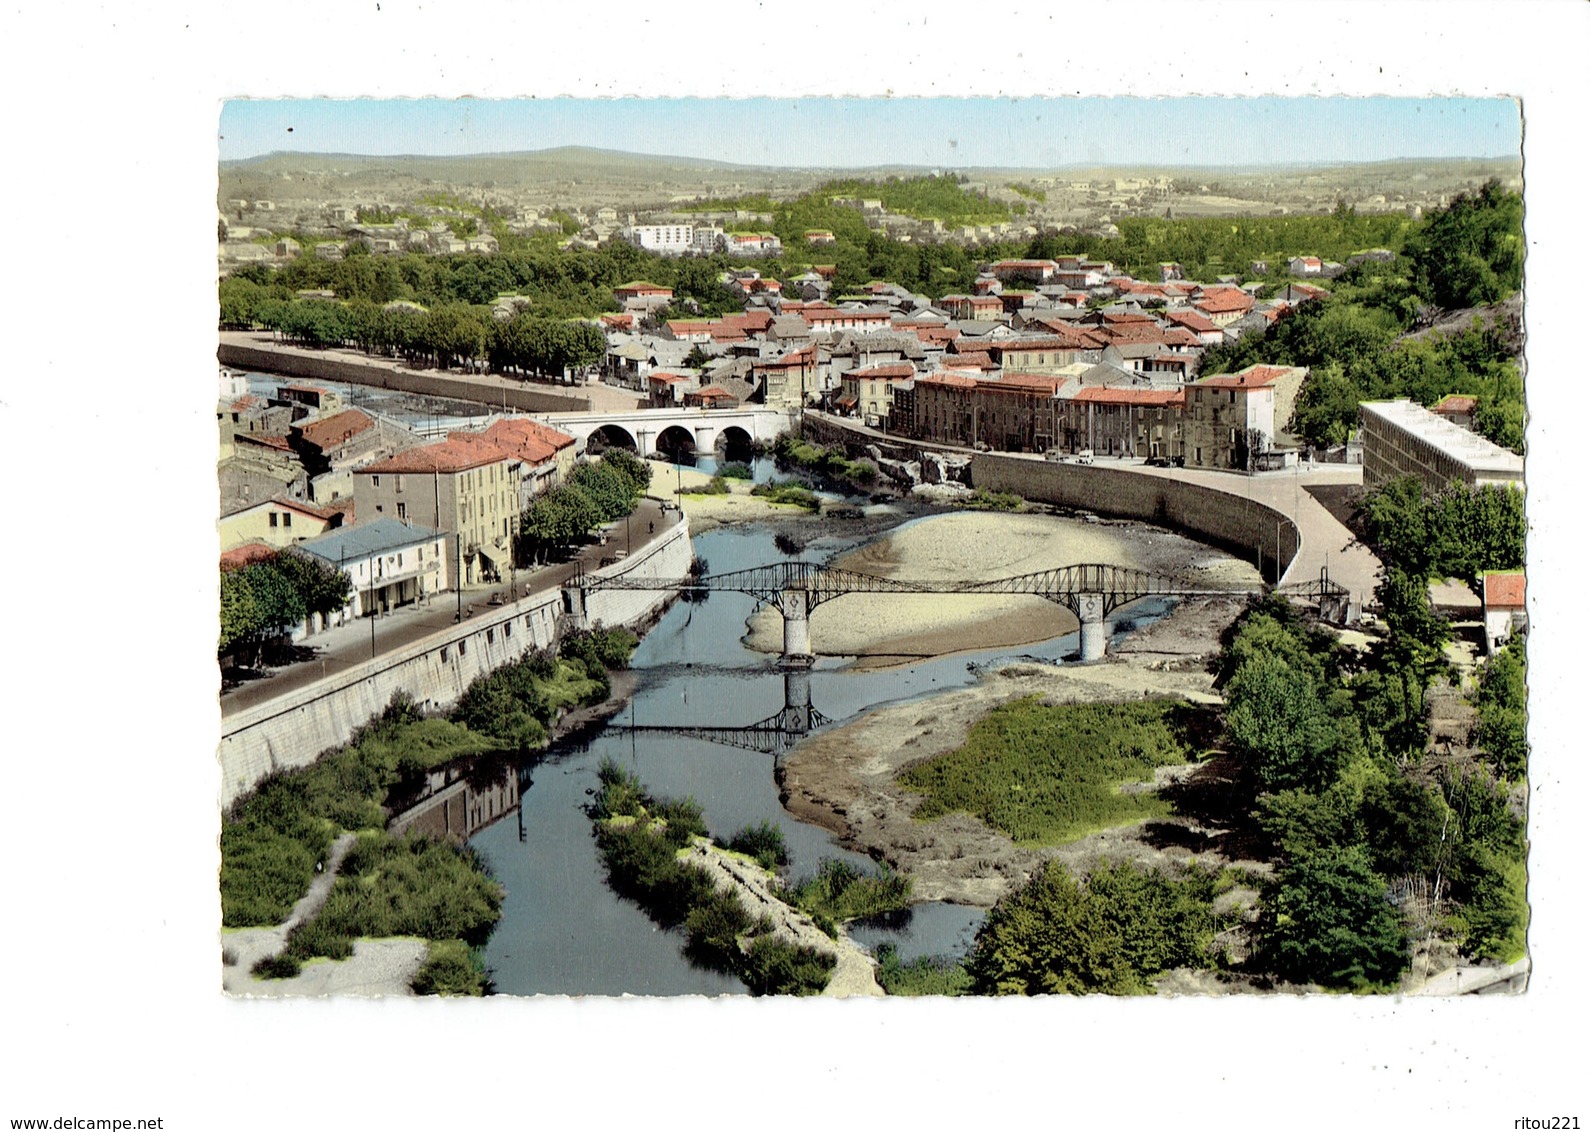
1328, 920
1111, 934
1502, 702
1279, 727
1472, 251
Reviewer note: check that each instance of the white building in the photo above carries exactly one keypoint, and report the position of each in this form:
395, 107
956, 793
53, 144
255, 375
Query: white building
667, 239
1404, 439
389, 563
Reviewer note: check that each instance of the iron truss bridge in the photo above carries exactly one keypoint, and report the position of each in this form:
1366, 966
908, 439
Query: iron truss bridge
772, 736
1117, 585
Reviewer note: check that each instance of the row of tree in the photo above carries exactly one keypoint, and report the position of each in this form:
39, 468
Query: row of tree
450, 334
269, 596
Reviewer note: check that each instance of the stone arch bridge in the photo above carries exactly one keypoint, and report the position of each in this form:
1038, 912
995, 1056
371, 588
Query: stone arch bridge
646, 431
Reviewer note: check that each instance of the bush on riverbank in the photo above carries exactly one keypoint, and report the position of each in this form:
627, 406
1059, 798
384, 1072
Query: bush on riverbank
763, 841
274, 837
1110, 933
926, 975
984, 500
717, 485
826, 463
1047, 775
840, 891
452, 967
788, 492
734, 470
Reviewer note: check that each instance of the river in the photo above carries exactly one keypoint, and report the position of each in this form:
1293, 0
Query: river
562, 931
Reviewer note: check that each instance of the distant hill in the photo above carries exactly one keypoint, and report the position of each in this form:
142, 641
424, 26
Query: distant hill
580, 176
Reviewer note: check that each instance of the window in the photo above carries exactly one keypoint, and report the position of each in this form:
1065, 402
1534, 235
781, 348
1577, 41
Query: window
273, 518
287, 518
375, 481
397, 484
403, 512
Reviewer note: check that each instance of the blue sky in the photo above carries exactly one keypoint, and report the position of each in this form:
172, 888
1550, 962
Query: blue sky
960, 133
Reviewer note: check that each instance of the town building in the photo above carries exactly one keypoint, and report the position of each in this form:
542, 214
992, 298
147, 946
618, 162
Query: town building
389, 563
1401, 438
1231, 419
466, 487
277, 522
1502, 593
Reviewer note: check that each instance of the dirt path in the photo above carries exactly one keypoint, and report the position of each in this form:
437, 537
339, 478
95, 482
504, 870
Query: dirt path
377, 968
853, 975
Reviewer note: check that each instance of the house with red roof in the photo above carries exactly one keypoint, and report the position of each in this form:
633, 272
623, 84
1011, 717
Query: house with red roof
1457, 408
1305, 265
1502, 593
642, 297
1231, 419
1224, 305
869, 392
711, 397
280, 522
466, 486
1024, 270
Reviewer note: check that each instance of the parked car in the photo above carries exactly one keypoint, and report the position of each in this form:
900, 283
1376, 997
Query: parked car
1085, 456
1054, 455
1157, 462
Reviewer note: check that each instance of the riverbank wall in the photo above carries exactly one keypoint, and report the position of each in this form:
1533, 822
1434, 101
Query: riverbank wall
1245, 527
295, 729
299, 363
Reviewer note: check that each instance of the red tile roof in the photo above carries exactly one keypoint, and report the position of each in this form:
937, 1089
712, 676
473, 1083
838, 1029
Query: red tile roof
330, 431
953, 380
894, 369
1192, 320
460, 452
1504, 589
1117, 395
247, 554
519, 437
1254, 377
1224, 302
1454, 403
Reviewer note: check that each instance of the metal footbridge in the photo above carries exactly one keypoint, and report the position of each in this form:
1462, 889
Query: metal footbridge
1089, 590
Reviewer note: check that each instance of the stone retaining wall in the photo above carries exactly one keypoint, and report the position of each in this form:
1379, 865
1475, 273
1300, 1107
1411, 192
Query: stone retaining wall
294, 729
1245, 527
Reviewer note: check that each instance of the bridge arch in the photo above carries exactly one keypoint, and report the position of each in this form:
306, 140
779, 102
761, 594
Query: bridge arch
675, 441
611, 436
733, 443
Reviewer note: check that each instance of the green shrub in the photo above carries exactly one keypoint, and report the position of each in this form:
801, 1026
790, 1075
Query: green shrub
789, 494
923, 976
401, 886
1109, 934
764, 841
840, 891
772, 966
277, 967
713, 929
451, 968
734, 470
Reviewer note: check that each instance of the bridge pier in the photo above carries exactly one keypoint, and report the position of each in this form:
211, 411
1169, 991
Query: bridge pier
794, 606
1090, 613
